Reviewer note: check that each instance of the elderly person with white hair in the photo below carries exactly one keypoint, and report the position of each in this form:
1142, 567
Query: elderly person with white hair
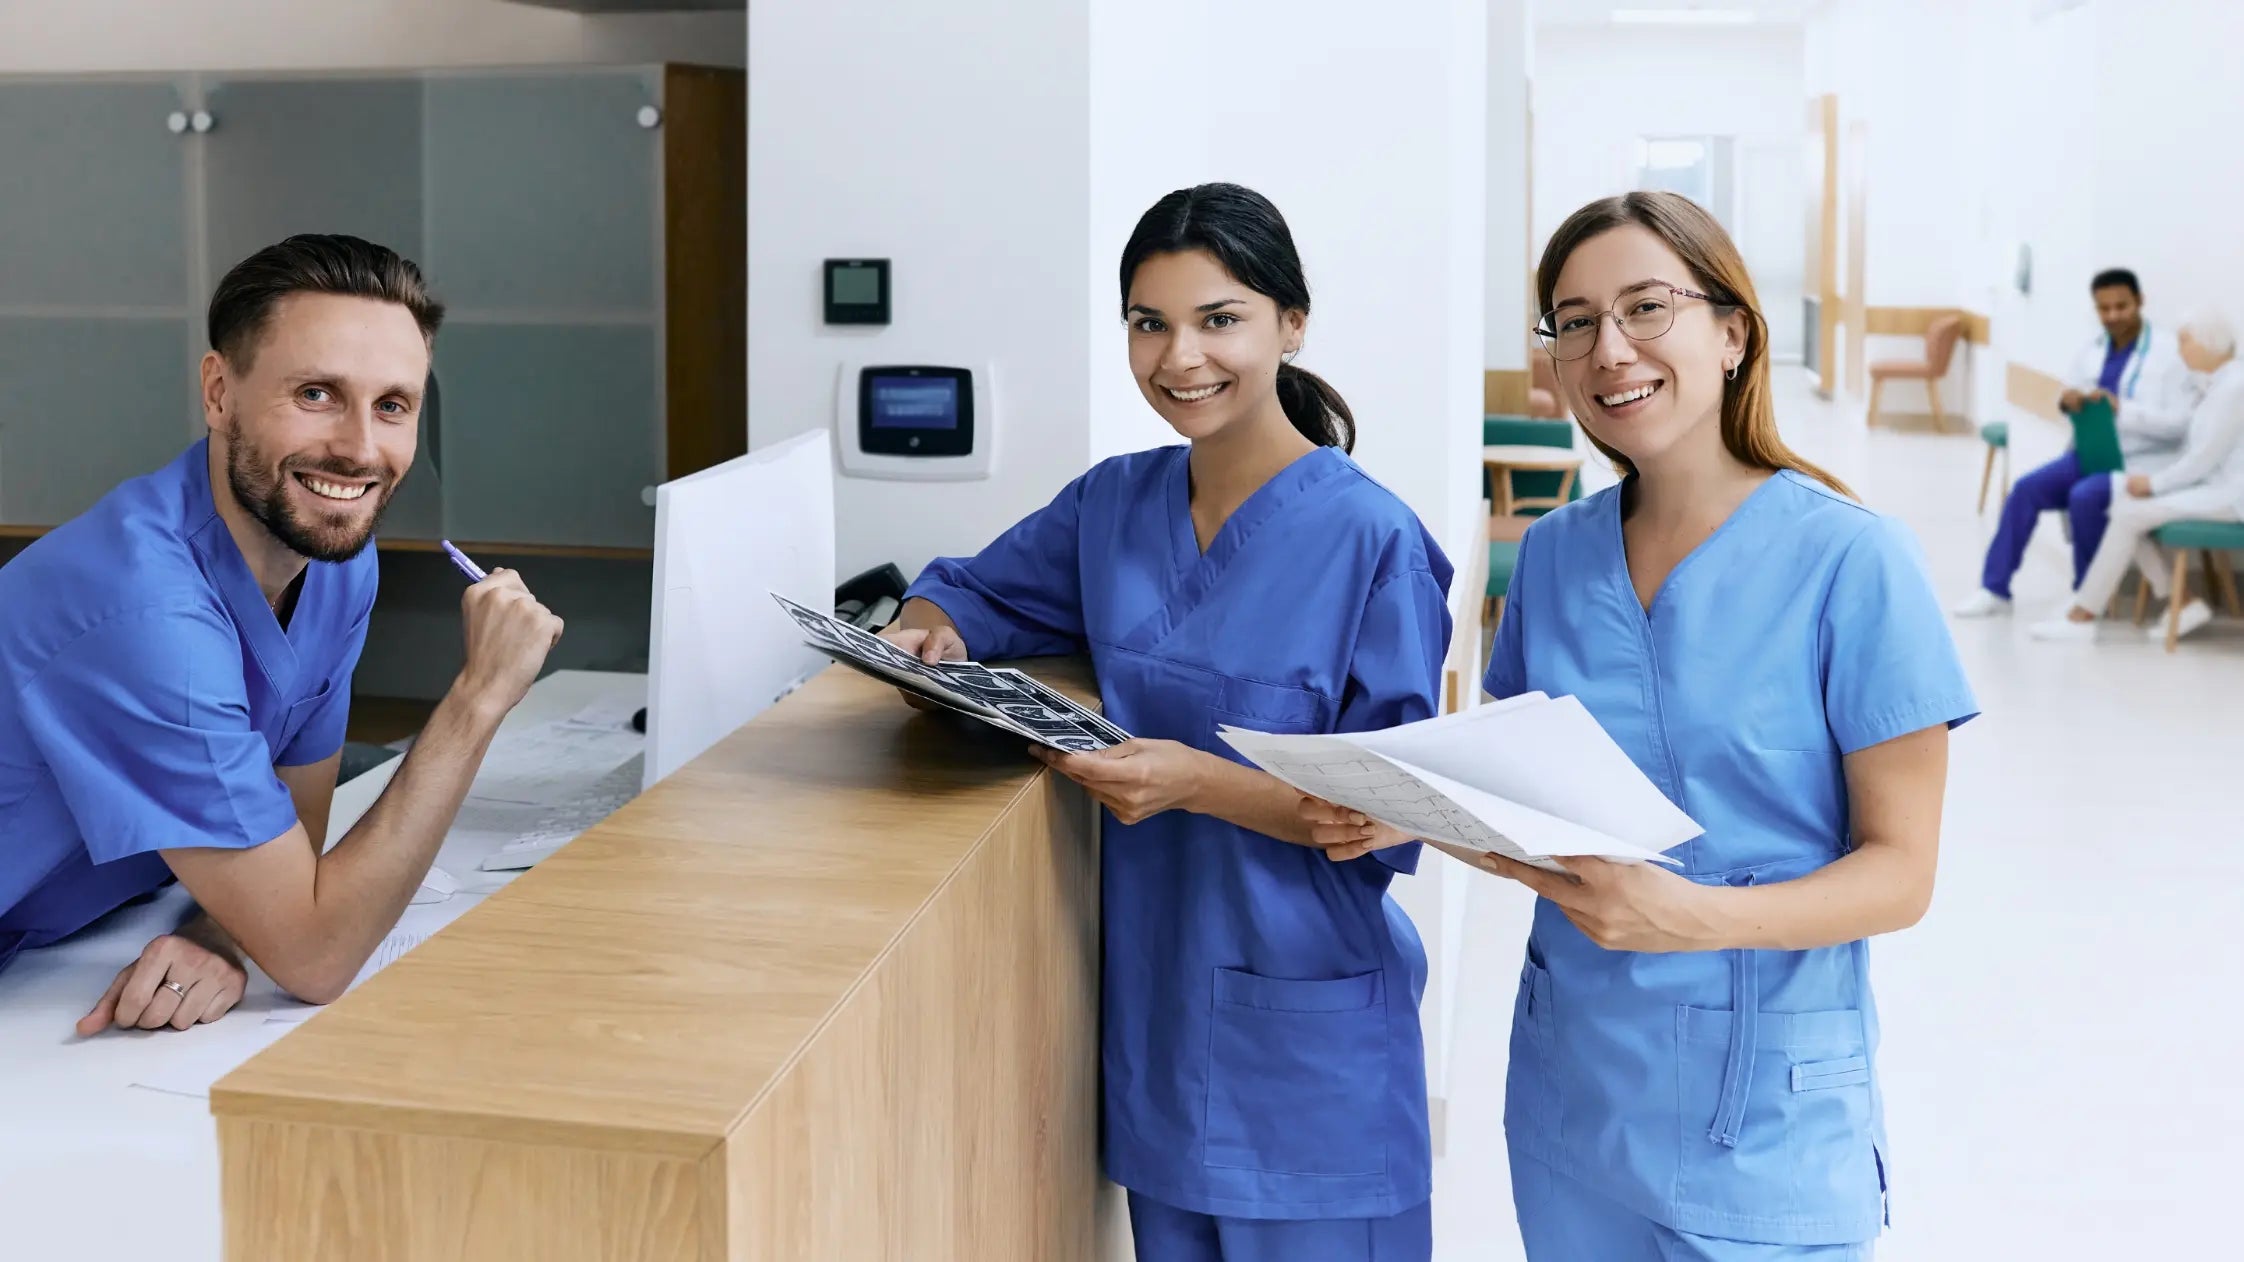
2206, 484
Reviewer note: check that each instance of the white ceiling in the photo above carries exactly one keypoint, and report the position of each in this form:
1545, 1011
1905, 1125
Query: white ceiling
1576, 13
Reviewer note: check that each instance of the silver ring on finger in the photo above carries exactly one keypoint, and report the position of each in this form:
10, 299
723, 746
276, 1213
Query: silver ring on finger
175, 988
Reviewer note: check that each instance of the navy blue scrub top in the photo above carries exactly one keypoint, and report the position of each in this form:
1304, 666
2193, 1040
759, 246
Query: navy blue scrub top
1261, 1046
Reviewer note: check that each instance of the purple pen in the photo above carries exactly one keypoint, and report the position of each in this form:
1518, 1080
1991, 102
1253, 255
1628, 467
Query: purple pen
473, 571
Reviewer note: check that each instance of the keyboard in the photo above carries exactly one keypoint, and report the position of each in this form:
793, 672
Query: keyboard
560, 824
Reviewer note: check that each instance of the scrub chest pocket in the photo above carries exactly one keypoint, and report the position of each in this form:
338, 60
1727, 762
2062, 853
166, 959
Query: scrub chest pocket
1297, 1074
299, 714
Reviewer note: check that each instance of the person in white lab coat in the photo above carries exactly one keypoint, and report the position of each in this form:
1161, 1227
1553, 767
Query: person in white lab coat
2137, 368
2205, 484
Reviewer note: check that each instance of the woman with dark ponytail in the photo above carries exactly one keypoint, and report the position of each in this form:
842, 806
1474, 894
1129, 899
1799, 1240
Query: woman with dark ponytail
1265, 1084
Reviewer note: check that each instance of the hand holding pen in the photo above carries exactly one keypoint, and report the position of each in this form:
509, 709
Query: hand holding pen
508, 632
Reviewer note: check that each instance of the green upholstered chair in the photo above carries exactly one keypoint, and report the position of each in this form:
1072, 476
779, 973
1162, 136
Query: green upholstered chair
2210, 539
1496, 431
1996, 434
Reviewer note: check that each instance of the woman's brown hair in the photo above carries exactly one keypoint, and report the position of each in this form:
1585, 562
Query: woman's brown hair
1749, 427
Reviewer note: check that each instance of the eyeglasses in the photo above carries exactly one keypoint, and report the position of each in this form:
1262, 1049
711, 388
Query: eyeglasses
1644, 314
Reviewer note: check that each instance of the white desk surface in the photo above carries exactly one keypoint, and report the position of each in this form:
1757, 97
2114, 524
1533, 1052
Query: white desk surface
92, 1167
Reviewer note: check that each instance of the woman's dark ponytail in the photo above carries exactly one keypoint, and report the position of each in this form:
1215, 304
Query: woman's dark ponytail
1246, 234
1315, 408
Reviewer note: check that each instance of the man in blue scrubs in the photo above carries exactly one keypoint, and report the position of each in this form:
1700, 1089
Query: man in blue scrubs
2139, 371
175, 664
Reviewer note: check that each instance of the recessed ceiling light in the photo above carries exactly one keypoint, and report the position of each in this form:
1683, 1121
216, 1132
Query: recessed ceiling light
1683, 17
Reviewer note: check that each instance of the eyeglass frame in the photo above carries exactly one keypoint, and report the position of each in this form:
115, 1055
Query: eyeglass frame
1549, 340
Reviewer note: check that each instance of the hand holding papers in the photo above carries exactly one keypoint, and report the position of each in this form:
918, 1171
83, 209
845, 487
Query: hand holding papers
1532, 779
1004, 699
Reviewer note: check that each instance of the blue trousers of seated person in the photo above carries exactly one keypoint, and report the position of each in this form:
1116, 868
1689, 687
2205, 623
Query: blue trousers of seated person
1164, 1233
2086, 499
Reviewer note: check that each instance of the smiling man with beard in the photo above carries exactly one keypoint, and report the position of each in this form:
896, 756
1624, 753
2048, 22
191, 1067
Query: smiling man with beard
175, 664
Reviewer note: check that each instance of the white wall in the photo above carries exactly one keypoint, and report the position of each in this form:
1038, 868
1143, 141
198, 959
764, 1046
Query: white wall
58, 36
957, 151
1026, 139
1143, 144
1508, 303
1598, 89
2104, 135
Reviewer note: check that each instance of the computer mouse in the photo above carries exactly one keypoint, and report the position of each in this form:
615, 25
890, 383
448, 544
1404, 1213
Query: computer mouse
639, 720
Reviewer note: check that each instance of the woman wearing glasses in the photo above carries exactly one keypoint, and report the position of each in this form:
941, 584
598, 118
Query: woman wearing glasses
1694, 1053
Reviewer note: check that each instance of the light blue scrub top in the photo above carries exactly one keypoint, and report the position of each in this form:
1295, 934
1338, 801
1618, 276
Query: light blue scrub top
1728, 1093
1260, 1044
146, 694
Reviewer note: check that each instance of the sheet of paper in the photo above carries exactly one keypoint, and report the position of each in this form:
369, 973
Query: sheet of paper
1359, 771
1550, 756
388, 952
542, 765
1330, 768
196, 1059
437, 886
612, 714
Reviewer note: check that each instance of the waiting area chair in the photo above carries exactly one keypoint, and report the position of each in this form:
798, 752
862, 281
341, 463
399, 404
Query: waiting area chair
2210, 540
1940, 351
1504, 532
1996, 434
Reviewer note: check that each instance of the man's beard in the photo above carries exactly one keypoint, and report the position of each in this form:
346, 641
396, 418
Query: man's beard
267, 500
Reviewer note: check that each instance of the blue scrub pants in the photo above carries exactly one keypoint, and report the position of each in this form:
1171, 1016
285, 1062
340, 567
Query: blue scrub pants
2058, 484
1561, 1220
1164, 1233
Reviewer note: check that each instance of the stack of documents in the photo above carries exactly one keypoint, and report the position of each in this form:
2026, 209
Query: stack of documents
1005, 699
1531, 778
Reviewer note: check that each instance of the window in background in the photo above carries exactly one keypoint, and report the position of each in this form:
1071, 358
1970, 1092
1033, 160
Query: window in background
1698, 167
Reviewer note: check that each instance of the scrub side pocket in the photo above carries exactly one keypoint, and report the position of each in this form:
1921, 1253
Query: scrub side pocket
1297, 1074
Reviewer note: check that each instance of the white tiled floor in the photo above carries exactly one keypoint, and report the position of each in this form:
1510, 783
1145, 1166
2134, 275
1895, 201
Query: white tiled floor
2064, 1045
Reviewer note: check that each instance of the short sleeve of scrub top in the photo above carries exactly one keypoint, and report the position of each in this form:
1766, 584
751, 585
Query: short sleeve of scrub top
1395, 672
144, 722
1022, 596
1889, 665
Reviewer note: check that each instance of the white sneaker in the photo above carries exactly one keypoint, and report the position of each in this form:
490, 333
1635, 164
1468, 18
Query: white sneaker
1981, 604
2061, 627
2195, 614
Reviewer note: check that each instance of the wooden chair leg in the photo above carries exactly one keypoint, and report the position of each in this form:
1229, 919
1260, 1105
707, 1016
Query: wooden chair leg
2178, 598
1877, 385
2142, 597
2006, 471
1986, 476
2219, 575
1939, 417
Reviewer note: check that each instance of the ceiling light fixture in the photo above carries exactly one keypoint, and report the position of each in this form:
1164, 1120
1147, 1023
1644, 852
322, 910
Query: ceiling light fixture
1682, 17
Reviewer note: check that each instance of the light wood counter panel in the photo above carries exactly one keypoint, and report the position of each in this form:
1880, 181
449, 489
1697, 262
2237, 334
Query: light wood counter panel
830, 991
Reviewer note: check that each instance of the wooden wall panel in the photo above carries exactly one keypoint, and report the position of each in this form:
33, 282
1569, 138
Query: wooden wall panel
1503, 392
2033, 391
1914, 321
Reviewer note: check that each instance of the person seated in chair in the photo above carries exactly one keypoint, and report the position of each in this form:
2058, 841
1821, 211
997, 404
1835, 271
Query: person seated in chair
2205, 484
2152, 392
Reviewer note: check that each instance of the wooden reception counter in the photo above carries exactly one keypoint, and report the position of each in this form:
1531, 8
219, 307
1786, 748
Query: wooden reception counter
829, 992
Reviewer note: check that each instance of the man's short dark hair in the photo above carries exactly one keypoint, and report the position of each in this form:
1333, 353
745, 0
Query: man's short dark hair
2115, 278
315, 263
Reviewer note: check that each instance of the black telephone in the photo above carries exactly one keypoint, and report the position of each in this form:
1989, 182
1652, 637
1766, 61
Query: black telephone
871, 600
